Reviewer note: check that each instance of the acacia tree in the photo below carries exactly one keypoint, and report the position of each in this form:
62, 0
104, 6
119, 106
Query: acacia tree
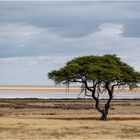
97, 74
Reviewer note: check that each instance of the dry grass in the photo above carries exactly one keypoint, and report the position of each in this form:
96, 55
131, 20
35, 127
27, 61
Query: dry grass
67, 119
76, 129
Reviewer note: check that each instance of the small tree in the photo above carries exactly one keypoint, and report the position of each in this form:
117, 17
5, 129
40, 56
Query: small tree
97, 74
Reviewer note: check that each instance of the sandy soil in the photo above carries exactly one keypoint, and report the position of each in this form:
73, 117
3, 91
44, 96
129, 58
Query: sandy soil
67, 119
55, 88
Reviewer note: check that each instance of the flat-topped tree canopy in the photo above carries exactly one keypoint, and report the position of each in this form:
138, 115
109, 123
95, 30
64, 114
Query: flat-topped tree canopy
107, 68
97, 74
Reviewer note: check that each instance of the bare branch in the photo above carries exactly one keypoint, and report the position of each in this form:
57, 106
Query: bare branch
88, 95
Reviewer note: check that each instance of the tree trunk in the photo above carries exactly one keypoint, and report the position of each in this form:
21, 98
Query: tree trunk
104, 115
107, 106
105, 112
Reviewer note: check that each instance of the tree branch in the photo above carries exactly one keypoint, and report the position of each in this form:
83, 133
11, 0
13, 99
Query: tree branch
86, 85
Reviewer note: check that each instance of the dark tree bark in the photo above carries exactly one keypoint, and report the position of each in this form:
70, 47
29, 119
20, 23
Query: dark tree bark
105, 109
105, 112
107, 105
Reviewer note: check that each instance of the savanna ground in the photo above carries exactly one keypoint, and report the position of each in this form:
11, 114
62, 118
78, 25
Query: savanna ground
67, 119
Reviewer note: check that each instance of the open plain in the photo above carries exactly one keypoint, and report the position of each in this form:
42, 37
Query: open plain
67, 119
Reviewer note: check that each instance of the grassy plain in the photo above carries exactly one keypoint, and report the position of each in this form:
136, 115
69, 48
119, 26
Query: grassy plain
67, 119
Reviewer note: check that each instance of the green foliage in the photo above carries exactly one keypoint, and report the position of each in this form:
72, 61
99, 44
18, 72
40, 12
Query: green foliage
108, 68
97, 75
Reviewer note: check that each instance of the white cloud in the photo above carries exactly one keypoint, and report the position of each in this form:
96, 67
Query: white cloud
111, 29
59, 60
33, 69
36, 37
21, 32
29, 70
18, 33
17, 29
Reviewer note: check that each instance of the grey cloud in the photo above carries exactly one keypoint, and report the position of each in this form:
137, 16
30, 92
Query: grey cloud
67, 28
132, 28
77, 29
70, 19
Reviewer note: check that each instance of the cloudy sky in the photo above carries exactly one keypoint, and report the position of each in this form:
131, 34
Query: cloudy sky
37, 37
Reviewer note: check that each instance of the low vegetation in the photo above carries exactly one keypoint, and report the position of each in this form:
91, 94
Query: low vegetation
67, 119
